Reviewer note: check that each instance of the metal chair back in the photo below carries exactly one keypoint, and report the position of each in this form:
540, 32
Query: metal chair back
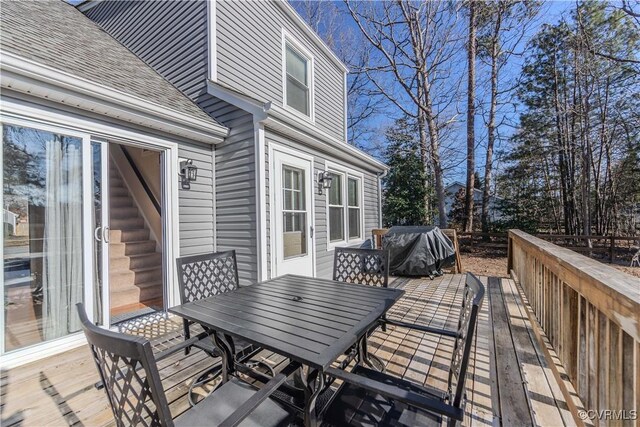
471, 304
203, 276
129, 374
363, 266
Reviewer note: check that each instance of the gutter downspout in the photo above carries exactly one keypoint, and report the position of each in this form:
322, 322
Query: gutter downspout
380, 176
261, 191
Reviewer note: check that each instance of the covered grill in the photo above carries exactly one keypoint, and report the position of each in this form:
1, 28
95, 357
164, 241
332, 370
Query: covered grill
418, 251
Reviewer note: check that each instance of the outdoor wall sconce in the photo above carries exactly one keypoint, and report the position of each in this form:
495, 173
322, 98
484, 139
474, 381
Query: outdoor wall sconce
324, 181
188, 173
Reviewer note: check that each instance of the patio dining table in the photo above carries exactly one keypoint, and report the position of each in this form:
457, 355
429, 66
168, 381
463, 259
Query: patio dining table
309, 320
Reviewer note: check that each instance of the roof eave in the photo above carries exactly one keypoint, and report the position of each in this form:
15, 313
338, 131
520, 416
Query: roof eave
19, 73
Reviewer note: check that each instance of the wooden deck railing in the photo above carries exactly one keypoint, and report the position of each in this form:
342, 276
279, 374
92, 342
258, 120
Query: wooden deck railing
590, 313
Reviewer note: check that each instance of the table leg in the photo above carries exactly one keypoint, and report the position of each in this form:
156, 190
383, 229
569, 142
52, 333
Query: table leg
363, 351
314, 384
226, 354
365, 358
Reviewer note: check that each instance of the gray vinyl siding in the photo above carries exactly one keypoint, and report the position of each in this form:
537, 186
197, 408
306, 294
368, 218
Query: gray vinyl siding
249, 49
172, 38
195, 206
236, 188
324, 258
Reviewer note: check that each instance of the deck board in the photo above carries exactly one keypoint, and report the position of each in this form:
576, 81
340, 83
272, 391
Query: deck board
60, 391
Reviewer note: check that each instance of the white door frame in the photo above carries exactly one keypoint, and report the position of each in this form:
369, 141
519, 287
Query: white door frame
25, 113
281, 150
170, 296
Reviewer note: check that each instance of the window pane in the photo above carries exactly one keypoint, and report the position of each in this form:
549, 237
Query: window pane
354, 223
288, 200
297, 96
354, 198
295, 236
296, 180
335, 192
43, 265
286, 173
336, 224
297, 66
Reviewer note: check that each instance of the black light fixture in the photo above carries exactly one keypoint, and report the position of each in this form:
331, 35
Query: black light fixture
188, 173
324, 181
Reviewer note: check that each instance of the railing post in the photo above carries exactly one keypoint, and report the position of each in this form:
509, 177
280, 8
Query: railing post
509, 253
612, 249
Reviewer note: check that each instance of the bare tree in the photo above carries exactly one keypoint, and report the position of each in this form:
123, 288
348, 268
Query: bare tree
363, 99
503, 24
411, 64
471, 118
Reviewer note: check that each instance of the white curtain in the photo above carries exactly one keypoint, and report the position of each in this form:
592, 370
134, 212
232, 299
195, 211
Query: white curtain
62, 247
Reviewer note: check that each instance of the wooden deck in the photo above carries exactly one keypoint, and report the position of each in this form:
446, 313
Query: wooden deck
509, 381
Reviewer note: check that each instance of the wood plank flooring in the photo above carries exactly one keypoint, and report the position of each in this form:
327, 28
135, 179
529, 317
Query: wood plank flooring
509, 381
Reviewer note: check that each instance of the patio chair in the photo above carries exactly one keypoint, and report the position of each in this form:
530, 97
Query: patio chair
370, 398
132, 382
364, 267
204, 276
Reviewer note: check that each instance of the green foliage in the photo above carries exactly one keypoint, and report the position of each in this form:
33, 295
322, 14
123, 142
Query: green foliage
573, 162
404, 186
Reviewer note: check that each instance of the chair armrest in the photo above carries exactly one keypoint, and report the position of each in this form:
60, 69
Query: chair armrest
164, 354
184, 344
408, 397
421, 328
260, 396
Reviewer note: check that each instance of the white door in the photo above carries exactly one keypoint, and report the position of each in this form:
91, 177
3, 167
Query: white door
293, 214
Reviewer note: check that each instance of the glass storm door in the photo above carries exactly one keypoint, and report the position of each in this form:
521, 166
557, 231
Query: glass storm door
293, 215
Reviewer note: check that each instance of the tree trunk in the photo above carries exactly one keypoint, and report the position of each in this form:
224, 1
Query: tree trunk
471, 96
491, 126
424, 157
432, 128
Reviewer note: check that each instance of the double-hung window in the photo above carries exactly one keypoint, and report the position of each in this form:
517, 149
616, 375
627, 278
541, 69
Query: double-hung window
353, 204
336, 209
298, 76
344, 201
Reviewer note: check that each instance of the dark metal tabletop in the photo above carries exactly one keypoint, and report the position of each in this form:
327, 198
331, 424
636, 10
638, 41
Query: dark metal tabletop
310, 320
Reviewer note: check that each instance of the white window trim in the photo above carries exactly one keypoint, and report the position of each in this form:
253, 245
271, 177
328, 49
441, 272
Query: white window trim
347, 173
212, 40
287, 38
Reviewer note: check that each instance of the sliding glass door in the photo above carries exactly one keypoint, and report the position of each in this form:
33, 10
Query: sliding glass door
43, 241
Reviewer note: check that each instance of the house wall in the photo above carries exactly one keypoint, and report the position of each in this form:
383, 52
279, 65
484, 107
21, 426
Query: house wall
324, 257
250, 58
172, 38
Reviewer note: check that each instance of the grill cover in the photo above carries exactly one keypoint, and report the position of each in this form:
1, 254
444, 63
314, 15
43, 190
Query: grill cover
418, 251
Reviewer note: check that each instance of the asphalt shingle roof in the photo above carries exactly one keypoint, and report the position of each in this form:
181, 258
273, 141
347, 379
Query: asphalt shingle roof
56, 34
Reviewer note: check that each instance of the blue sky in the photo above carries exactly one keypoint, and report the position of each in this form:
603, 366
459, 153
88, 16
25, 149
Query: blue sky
552, 12
454, 157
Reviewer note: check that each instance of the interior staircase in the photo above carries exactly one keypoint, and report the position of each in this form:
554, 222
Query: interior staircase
135, 268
